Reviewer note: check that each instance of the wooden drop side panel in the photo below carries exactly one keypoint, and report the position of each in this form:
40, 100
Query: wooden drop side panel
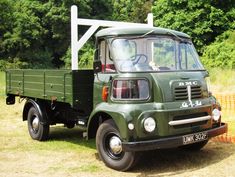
73, 87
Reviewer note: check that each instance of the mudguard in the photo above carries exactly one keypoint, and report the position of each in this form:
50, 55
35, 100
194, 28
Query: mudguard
40, 108
120, 117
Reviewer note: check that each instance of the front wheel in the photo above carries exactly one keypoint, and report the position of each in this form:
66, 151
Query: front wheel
109, 146
37, 130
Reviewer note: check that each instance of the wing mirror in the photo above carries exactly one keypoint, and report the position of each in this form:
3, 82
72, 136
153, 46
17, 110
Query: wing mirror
97, 66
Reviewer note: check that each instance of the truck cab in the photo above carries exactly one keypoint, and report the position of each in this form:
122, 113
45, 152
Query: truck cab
154, 94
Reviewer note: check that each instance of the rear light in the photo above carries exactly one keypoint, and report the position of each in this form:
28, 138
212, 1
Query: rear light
105, 93
135, 89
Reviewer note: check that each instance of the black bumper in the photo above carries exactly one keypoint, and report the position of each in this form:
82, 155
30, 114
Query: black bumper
170, 142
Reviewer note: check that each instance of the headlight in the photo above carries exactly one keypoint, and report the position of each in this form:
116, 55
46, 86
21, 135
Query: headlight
149, 124
131, 126
130, 89
216, 114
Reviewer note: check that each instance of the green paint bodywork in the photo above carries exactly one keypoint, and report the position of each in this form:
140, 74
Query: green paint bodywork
160, 105
44, 84
66, 86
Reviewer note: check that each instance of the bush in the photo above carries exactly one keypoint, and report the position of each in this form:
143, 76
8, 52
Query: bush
12, 64
85, 57
67, 59
221, 53
87, 54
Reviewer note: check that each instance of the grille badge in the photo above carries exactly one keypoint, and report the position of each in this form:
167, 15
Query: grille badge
188, 83
189, 95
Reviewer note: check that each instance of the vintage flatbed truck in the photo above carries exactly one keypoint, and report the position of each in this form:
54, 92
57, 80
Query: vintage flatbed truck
147, 91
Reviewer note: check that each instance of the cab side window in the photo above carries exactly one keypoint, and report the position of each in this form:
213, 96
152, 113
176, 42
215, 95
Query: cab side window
104, 56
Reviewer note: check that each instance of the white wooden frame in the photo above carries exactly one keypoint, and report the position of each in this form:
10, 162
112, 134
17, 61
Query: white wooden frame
76, 44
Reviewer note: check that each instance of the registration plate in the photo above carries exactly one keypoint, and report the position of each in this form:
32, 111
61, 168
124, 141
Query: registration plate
196, 137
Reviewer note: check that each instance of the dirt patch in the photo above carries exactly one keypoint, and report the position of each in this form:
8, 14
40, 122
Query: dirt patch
215, 159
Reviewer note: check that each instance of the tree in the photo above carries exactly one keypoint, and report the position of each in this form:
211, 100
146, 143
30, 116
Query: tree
202, 20
132, 11
221, 53
37, 32
101, 9
24, 34
6, 22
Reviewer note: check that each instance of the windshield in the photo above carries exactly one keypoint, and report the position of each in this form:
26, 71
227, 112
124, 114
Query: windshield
153, 54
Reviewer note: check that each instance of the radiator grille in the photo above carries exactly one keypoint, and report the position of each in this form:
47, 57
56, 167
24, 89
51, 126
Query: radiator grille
181, 93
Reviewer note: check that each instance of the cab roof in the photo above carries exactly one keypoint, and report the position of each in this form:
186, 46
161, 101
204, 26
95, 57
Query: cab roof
132, 31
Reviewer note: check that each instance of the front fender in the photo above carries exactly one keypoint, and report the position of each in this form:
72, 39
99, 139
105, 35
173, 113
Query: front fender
105, 111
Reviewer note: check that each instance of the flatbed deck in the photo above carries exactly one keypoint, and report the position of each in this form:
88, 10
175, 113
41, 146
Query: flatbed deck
73, 87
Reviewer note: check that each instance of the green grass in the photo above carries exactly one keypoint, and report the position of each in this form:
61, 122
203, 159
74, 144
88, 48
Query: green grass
64, 146
222, 80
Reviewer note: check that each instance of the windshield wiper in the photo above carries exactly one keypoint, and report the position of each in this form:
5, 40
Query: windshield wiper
149, 32
180, 39
168, 31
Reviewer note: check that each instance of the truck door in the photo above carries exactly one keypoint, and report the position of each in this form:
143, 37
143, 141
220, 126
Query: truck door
107, 71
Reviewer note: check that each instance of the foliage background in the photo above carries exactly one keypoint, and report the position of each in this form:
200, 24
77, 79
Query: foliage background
36, 33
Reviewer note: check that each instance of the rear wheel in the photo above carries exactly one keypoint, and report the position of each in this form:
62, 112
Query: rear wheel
37, 129
109, 146
195, 146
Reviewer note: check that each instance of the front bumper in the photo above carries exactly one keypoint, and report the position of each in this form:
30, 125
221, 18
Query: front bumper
170, 142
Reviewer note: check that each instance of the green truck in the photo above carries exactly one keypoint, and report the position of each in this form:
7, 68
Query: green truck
148, 90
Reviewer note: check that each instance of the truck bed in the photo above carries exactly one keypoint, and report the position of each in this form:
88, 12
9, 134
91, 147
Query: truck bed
73, 87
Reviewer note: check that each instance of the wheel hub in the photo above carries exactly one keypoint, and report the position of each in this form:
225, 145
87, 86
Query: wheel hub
35, 123
115, 145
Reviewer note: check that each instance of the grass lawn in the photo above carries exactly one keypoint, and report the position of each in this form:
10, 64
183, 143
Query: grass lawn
222, 81
68, 154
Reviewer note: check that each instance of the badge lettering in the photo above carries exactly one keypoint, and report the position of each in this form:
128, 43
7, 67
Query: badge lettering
188, 83
191, 104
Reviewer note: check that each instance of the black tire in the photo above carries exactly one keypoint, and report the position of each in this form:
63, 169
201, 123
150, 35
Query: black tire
195, 147
37, 130
120, 160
